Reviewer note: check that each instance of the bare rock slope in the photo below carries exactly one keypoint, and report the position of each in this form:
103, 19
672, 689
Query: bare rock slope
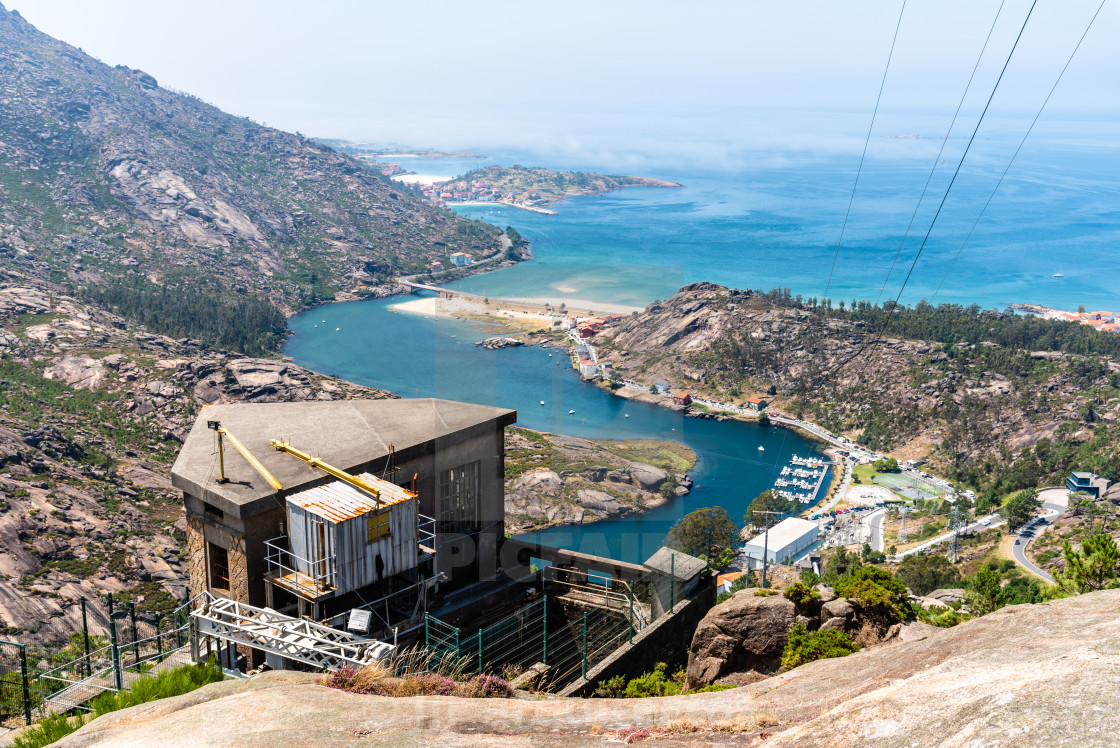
1031, 675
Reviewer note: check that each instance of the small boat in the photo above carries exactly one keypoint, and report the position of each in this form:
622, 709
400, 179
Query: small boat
314, 325
550, 355
762, 449
625, 415
542, 402
1059, 274
324, 322
571, 412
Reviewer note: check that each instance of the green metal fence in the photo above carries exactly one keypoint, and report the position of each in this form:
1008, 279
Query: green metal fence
15, 685
569, 638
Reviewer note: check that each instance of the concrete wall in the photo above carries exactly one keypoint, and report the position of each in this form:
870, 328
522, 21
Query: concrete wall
667, 640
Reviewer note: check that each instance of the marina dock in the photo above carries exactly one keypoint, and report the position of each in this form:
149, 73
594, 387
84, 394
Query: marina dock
802, 479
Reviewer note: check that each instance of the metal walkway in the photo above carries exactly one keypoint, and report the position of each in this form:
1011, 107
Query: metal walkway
292, 638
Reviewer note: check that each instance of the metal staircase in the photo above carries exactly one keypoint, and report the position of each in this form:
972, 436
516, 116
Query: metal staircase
292, 638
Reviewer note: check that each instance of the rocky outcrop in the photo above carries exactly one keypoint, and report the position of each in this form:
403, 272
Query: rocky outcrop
497, 343
579, 480
923, 401
1028, 676
647, 477
747, 632
82, 372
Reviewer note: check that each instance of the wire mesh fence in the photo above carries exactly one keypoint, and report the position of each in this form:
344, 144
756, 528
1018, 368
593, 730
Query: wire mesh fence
570, 632
15, 687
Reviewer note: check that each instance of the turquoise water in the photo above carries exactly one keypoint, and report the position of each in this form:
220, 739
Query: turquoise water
778, 225
416, 356
775, 224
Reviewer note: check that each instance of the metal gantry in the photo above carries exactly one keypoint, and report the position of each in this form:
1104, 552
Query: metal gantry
291, 638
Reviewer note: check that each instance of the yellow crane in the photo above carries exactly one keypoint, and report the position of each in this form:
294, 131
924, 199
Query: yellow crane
342, 475
223, 433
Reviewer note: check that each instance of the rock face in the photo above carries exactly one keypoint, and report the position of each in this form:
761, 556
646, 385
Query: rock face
578, 481
497, 343
648, 477
83, 372
747, 632
1023, 677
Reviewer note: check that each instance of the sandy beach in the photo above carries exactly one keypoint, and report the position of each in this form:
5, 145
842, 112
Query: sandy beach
529, 310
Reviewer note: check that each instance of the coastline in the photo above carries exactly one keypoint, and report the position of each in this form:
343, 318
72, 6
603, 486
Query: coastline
482, 204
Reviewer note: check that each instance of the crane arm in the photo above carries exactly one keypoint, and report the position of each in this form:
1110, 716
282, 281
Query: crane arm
253, 461
342, 475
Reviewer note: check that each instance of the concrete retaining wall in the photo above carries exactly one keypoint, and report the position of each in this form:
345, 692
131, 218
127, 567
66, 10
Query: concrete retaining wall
667, 640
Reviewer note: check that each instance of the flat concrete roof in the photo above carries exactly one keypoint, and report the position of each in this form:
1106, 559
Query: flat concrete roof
681, 565
784, 533
349, 434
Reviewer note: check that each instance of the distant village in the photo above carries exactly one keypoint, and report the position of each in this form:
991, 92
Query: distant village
476, 190
1106, 321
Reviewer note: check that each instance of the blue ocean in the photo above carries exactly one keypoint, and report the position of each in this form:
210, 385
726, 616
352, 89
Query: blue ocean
774, 224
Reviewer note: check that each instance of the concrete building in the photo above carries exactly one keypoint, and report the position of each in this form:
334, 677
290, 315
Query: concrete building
785, 540
660, 386
682, 398
1089, 483
317, 547
588, 368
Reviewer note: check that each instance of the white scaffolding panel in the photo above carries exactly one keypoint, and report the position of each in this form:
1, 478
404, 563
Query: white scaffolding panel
292, 638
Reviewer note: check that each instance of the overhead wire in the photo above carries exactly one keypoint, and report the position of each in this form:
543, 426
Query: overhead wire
888, 313
1015, 155
940, 151
866, 142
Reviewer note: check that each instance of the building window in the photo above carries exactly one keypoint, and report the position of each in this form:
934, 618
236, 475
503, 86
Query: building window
377, 525
219, 566
212, 512
459, 490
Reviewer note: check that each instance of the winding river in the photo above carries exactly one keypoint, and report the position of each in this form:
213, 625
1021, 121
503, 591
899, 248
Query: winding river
415, 356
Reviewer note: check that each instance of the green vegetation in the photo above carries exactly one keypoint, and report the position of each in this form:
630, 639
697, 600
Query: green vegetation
174, 682
248, 324
1095, 566
804, 646
886, 465
925, 573
879, 594
656, 683
768, 501
801, 594
693, 532
1020, 507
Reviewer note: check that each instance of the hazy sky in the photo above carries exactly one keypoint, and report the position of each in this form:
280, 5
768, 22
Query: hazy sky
689, 79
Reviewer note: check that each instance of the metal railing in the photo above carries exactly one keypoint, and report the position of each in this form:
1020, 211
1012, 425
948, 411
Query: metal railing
285, 566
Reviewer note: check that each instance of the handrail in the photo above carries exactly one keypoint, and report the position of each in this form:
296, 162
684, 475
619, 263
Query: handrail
331, 470
321, 581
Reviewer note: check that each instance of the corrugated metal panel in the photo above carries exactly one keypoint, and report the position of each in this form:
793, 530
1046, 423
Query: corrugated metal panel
341, 545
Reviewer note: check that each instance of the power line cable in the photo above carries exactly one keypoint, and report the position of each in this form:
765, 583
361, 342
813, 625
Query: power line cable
1019, 148
888, 313
960, 163
866, 142
940, 151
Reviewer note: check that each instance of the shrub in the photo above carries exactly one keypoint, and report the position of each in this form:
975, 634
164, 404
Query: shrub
611, 689
804, 646
877, 592
53, 727
801, 595
654, 684
169, 683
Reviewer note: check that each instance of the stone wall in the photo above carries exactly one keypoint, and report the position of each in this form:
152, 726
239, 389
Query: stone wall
196, 554
667, 640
